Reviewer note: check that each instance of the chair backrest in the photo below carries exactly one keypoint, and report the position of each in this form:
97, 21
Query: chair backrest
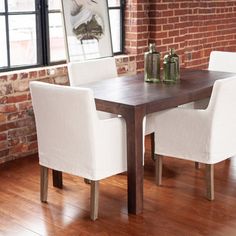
66, 124
222, 61
222, 107
91, 71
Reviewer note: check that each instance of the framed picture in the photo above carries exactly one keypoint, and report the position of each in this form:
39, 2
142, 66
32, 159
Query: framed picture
87, 29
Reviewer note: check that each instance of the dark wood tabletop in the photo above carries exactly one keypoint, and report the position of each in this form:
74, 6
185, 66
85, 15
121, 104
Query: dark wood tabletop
132, 98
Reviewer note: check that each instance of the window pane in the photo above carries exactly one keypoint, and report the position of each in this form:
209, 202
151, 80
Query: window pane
113, 3
54, 4
19, 5
3, 46
22, 29
57, 46
2, 6
115, 29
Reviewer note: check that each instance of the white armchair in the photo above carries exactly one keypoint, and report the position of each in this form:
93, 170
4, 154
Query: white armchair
205, 136
72, 139
219, 61
91, 71
222, 61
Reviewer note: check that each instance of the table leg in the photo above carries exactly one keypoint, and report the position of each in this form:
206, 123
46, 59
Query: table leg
134, 124
57, 178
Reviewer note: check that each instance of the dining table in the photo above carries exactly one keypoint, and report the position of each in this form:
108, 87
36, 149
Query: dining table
133, 99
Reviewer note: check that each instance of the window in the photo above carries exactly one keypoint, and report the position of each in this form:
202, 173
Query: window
116, 14
56, 34
32, 33
18, 33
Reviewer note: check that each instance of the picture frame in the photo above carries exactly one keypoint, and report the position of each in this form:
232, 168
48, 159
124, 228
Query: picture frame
87, 29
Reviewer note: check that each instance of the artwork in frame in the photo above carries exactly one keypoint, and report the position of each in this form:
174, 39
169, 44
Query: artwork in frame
87, 29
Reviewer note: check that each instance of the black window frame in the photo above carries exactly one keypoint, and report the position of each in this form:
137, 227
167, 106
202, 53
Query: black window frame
42, 33
122, 28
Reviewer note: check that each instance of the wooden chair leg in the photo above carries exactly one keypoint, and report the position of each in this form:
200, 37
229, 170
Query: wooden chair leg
197, 165
57, 179
210, 181
158, 164
152, 135
94, 197
43, 183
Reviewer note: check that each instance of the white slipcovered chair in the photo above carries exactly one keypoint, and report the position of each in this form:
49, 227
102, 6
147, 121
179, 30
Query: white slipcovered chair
84, 72
219, 61
72, 139
204, 136
222, 61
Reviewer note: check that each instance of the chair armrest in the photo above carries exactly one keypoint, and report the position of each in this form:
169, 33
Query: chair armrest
181, 132
111, 147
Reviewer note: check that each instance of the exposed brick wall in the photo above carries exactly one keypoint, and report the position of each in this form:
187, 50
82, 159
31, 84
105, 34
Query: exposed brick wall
137, 30
17, 125
193, 27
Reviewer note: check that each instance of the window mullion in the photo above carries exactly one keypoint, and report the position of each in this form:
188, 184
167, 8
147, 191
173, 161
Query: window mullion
121, 9
43, 32
122, 28
7, 34
46, 33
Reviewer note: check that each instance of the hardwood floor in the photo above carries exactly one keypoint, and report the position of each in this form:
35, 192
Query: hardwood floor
179, 207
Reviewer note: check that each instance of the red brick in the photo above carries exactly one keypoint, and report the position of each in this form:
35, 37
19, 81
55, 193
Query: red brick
23, 75
167, 41
31, 138
33, 74
13, 142
4, 153
3, 145
16, 116
27, 122
19, 148
33, 146
3, 136
173, 19
24, 106
13, 77
167, 13
41, 73
3, 78
3, 118
18, 98
6, 89
21, 132
168, 27
173, 6
3, 127
7, 108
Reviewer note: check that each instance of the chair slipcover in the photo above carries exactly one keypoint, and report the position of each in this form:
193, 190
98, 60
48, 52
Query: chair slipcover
91, 71
219, 61
206, 136
71, 138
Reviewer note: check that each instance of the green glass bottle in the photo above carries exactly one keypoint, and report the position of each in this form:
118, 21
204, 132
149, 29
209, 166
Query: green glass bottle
171, 71
152, 65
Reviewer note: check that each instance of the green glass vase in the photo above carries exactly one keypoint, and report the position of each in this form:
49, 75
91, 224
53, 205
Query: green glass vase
152, 65
171, 71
